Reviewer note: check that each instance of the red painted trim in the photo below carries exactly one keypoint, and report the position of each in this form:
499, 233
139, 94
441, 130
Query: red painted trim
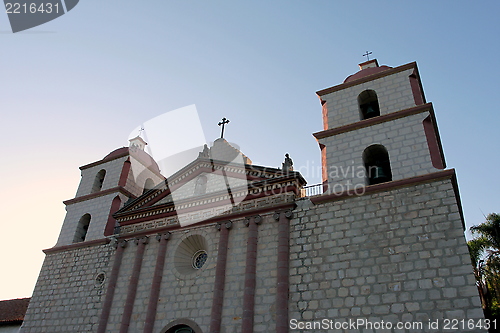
434, 144
250, 278
387, 72
324, 111
125, 171
110, 225
220, 278
392, 185
154, 295
132, 287
416, 87
373, 121
283, 285
110, 291
76, 246
100, 194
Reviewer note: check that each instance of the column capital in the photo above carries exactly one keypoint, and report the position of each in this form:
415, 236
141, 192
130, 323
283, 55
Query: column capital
166, 236
141, 240
227, 224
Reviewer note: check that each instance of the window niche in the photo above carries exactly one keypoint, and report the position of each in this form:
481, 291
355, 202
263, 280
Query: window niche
368, 104
99, 179
148, 185
82, 228
377, 164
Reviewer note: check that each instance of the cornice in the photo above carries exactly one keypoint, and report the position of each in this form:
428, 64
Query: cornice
119, 189
96, 242
374, 121
388, 186
368, 78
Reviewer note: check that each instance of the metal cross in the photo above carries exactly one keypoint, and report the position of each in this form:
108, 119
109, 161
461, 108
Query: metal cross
367, 55
223, 122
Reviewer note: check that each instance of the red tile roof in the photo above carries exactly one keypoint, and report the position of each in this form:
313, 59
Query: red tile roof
13, 310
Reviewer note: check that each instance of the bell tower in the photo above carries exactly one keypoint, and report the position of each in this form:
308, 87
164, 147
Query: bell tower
377, 128
106, 185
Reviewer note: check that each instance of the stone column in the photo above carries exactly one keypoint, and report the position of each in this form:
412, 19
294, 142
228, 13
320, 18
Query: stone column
283, 270
250, 274
156, 283
220, 277
110, 291
132, 286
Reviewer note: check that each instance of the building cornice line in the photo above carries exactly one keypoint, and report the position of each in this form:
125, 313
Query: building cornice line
366, 79
374, 121
119, 189
383, 187
74, 246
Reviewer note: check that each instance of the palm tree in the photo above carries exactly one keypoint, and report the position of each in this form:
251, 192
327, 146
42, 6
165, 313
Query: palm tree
485, 255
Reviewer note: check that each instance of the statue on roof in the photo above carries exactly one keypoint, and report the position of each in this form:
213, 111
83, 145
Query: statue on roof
288, 164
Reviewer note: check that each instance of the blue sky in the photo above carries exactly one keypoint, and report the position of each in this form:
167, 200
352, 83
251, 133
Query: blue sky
73, 89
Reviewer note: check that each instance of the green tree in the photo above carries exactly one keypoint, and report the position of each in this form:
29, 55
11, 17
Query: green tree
485, 255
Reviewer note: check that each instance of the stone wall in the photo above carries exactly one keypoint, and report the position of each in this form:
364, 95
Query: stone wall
393, 91
68, 293
404, 139
397, 256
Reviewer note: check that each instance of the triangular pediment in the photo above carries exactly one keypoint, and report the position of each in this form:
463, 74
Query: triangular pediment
209, 187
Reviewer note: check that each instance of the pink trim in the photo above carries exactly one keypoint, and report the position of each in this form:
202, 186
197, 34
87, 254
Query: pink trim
373, 121
416, 87
99, 194
96, 242
395, 184
250, 278
366, 79
154, 295
282, 290
132, 286
220, 278
110, 225
110, 291
434, 144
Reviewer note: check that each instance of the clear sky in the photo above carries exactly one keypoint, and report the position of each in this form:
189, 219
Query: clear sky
73, 89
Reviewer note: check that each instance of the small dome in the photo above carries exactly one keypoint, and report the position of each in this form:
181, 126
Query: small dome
365, 72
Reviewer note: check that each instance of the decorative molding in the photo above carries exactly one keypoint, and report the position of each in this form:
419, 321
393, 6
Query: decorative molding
364, 79
206, 214
374, 121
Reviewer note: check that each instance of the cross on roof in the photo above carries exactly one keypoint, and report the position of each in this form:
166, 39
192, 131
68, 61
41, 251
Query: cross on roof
223, 123
367, 55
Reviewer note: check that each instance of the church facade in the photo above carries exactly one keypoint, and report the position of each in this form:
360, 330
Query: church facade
226, 246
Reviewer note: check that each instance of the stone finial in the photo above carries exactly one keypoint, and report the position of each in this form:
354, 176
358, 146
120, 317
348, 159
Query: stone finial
288, 164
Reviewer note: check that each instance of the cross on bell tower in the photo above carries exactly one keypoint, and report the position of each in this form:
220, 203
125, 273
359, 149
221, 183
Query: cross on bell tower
223, 123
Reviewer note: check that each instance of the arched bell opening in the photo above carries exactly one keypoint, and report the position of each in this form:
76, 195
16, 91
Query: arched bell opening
377, 165
368, 104
98, 181
82, 228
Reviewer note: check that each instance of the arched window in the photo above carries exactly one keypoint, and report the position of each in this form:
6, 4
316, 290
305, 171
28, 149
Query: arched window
181, 329
377, 164
368, 104
201, 185
149, 184
99, 179
82, 228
